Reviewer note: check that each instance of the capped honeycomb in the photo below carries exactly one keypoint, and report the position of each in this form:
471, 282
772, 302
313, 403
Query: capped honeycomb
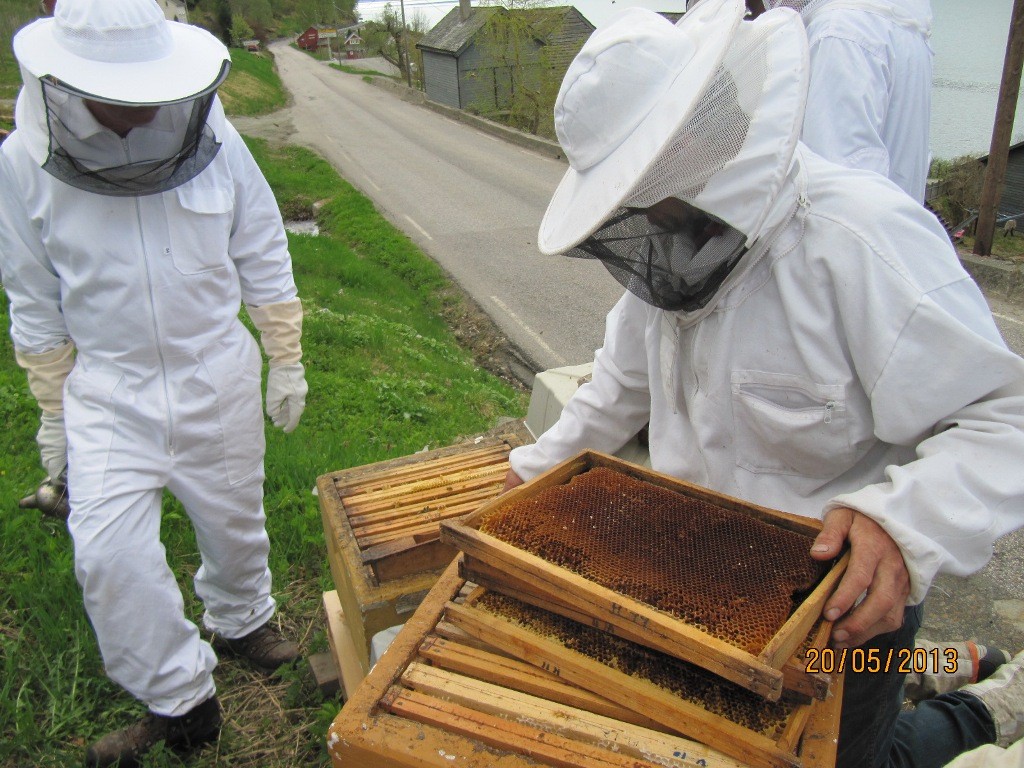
679, 678
731, 575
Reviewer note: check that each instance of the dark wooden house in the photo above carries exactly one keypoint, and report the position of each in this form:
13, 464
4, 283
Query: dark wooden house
464, 65
1011, 203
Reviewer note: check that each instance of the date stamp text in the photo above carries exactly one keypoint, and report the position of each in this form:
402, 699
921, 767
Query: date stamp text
901, 660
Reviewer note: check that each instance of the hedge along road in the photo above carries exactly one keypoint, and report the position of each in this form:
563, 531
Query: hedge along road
472, 201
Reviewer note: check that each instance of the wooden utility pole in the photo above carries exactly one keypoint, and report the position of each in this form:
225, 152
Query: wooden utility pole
1009, 88
405, 48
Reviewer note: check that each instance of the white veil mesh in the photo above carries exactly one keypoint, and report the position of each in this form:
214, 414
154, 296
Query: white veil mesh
717, 129
727, 162
176, 146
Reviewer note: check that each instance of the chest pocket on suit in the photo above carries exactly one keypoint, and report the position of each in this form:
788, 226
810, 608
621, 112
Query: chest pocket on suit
200, 226
789, 425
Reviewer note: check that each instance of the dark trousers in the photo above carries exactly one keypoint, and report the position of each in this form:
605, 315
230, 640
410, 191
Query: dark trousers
874, 733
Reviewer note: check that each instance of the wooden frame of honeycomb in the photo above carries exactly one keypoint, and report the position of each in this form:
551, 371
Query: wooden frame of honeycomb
441, 698
679, 696
796, 678
539, 581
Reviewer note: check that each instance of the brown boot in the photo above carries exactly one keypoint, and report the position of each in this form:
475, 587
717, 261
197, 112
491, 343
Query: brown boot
126, 747
265, 648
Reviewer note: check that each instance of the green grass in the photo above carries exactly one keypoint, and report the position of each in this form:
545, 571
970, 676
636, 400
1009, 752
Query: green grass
10, 80
386, 379
253, 86
1005, 248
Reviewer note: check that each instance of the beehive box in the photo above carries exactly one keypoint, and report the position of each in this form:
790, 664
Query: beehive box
381, 524
703, 577
442, 697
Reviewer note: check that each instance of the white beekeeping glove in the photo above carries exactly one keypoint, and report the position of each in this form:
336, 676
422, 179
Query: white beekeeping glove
280, 327
46, 375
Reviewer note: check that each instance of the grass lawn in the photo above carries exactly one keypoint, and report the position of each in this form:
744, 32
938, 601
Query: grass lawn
1010, 249
386, 378
253, 86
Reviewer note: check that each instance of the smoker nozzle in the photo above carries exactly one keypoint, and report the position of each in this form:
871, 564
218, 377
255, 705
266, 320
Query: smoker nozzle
50, 498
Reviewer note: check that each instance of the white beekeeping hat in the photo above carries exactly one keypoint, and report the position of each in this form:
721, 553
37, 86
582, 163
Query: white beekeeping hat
707, 110
121, 51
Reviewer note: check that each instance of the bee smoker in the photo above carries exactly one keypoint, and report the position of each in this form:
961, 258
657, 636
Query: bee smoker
50, 498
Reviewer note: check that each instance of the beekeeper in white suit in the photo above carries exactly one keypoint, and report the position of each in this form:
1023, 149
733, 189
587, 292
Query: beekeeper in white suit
869, 97
798, 334
133, 224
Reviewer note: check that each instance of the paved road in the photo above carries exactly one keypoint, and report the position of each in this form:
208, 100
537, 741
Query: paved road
474, 202
469, 200
1009, 316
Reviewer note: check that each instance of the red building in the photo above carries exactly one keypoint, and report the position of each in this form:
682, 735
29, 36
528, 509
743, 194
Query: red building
310, 39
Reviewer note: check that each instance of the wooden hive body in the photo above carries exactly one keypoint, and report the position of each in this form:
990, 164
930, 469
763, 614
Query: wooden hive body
442, 696
381, 524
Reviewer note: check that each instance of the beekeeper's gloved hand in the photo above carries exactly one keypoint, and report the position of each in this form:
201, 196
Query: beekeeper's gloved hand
53, 444
286, 395
46, 374
280, 327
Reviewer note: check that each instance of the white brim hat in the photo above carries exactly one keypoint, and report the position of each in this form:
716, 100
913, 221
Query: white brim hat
122, 51
634, 82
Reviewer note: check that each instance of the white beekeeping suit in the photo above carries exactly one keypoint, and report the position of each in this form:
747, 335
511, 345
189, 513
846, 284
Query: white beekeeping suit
797, 334
850, 421
869, 100
133, 224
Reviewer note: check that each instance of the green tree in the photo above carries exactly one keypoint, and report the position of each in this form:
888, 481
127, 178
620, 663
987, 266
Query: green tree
960, 187
223, 19
389, 39
515, 40
315, 11
257, 14
240, 30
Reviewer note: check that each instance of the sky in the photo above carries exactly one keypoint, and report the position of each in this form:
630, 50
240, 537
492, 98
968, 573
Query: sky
433, 11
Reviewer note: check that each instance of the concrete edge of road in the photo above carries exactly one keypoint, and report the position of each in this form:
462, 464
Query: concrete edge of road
543, 146
995, 277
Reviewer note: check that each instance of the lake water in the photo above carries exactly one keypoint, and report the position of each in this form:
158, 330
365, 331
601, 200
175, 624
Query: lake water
968, 38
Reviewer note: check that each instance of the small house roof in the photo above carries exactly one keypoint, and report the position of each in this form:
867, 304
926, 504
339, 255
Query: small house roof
452, 34
1012, 149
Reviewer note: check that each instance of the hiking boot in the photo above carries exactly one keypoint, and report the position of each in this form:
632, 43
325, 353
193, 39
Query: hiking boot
126, 747
1003, 697
974, 663
265, 648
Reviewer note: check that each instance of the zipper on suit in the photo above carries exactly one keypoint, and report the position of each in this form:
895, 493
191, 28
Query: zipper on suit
153, 317
829, 407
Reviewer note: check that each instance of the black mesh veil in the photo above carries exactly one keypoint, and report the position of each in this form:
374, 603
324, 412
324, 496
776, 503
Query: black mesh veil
176, 147
671, 270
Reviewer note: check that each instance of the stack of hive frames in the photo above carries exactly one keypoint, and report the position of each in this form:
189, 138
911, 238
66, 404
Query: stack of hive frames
381, 524
440, 697
740, 547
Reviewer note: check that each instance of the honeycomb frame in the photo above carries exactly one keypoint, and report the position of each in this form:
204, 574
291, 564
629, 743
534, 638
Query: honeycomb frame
490, 712
545, 583
680, 696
